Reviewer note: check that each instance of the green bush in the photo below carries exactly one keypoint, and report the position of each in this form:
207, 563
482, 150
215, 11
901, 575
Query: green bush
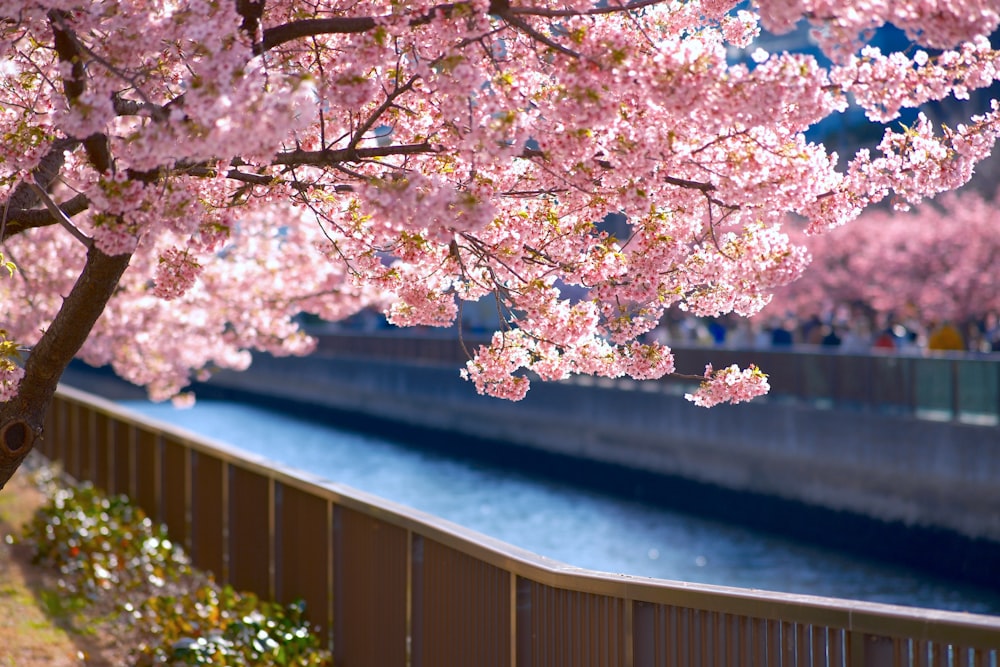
101, 543
216, 626
111, 555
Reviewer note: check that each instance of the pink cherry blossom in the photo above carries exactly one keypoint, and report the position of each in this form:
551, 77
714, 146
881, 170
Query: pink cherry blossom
416, 157
729, 385
937, 261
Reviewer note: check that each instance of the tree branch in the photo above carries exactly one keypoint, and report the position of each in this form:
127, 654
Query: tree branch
22, 418
20, 220
693, 185
44, 174
288, 32
562, 13
60, 217
525, 27
332, 157
342, 25
67, 48
252, 12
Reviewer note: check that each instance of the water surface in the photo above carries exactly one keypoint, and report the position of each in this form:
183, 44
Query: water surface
567, 523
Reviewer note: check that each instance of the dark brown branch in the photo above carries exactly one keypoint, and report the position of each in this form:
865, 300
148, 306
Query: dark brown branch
343, 25
530, 154
692, 185
65, 45
44, 174
390, 99
333, 157
60, 217
20, 220
264, 179
288, 32
525, 27
562, 13
67, 48
252, 12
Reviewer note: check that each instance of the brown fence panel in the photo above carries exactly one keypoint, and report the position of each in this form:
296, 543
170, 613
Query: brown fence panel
371, 562
208, 514
393, 577
563, 628
837, 647
121, 453
646, 629
87, 443
670, 636
871, 651
772, 642
250, 536
303, 540
49, 445
176, 494
822, 642
146, 491
104, 450
71, 436
461, 609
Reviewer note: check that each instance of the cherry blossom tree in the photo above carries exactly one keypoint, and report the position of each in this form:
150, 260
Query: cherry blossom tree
936, 262
180, 178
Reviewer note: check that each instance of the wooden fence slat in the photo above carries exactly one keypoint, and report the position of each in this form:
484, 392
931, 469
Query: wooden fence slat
303, 543
208, 543
371, 563
387, 576
249, 539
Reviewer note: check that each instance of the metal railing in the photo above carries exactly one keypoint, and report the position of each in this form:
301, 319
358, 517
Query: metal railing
388, 585
942, 386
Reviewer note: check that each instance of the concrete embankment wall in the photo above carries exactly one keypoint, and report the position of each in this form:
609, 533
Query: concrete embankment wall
943, 478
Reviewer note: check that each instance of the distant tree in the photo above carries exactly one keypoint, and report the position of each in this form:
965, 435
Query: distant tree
180, 179
939, 261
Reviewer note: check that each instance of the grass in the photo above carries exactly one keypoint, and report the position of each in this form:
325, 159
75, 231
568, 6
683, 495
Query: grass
35, 629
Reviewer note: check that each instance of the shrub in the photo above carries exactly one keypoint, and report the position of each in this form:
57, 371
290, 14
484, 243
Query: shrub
218, 626
100, 543
111, 556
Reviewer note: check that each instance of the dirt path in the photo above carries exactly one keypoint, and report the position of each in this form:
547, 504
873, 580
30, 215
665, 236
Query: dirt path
29, 635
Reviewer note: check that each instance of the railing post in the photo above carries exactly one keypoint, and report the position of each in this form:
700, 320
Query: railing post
911, 385
643, 634
525, 639
956, 394
996, 404
870, 650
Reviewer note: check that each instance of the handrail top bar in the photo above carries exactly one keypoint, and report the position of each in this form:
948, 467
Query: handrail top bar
876, 618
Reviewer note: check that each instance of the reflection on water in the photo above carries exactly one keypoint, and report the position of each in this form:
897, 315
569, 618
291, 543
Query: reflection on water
566, 523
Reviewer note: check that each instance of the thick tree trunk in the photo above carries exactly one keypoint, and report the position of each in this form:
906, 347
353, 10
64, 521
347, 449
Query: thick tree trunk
22, 418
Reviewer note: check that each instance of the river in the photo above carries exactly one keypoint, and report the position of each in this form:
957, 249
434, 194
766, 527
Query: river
570, 524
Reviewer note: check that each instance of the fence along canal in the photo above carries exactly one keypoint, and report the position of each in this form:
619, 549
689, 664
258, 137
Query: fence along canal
388, 585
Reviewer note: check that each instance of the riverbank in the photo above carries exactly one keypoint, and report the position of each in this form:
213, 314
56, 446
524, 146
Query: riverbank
913, 492
657, 449
31, 635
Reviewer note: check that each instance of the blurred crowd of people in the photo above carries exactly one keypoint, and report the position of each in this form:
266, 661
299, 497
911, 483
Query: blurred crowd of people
844, 330
848, 330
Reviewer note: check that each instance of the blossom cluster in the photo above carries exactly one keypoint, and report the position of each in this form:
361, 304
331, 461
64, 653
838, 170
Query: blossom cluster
419, 157
729, 385
10, 379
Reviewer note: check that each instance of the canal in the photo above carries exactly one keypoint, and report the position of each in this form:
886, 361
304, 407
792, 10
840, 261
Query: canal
571, 524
